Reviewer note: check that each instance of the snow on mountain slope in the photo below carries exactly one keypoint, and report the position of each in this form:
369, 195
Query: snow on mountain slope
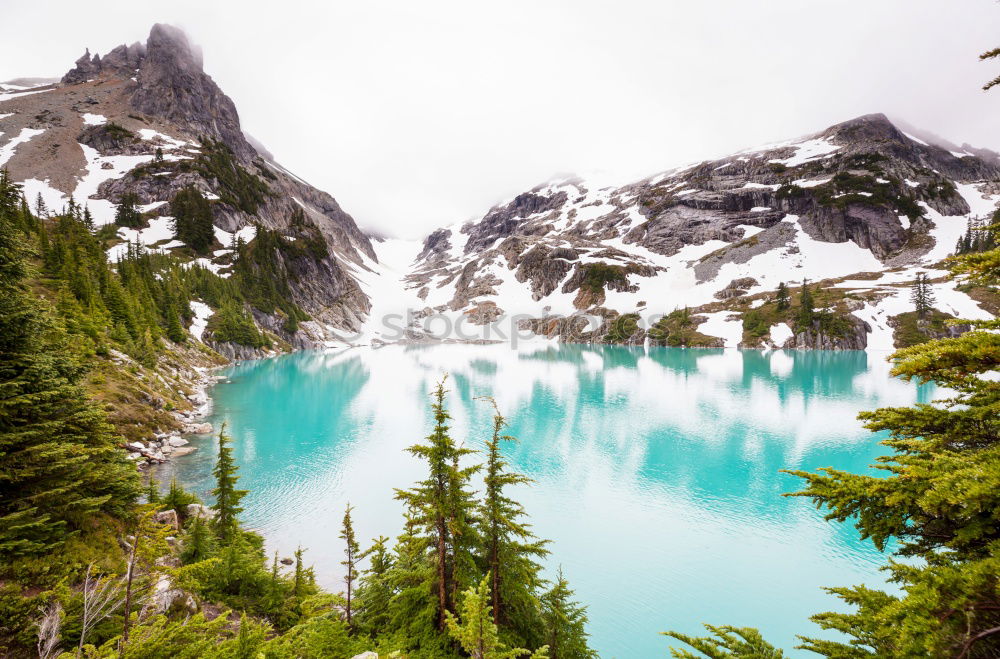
859, 197
145, 120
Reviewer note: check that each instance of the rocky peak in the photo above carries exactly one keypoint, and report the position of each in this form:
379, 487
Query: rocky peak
172, 85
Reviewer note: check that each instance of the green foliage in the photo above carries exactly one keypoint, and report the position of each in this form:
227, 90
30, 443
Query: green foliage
351, 556
564, 622
847, 188
677, 329
177, 498
233, 324
782, 298
806, 313
237, 187
443, 506
622, 328
127, 215
922, 295
192, 214
58, 456
736, 642
227, 497
597, 276
477, 633
510, 549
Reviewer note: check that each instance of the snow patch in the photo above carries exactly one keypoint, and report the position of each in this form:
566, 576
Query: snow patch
202, 312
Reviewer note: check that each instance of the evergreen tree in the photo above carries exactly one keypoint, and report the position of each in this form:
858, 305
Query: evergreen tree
443, 506
565, 622
152, 489
510, 549
58, 458
198, 543
806, 313
783, 298
192, 215
477, 633
351, 553
227, 497
127, 215
735, 642
375, 590
922, 295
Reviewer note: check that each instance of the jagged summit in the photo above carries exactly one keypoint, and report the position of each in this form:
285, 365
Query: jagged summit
146, 122
171, 84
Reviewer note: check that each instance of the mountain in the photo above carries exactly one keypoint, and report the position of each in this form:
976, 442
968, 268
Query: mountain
858, 209
144, 122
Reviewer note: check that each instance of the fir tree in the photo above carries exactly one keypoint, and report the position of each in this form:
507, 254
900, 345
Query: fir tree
510, 549
565, 622
192, 215
227, 497
477, 633
375, 590
806, 313
351, 554
127, 215
922, 295
198, 543
783, 298
58, 457
442, 505
152, 489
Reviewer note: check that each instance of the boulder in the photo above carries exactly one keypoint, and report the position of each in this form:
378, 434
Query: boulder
176, 442
167, 517
194, 510
198, 429
165, 599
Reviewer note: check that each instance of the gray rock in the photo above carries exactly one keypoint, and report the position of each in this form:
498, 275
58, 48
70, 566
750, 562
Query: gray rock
197, 510
177, 442
167, 517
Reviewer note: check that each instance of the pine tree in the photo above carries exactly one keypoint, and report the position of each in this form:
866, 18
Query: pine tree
806, 313
922, 295
58, 458
192, 215
127, 215
152, 489
351, 553
198, 543
375, 590
477, 633
443, 506
510, 549
565, 622
783, 298
227, 497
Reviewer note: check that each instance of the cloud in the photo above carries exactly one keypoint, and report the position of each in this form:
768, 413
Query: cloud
416, 115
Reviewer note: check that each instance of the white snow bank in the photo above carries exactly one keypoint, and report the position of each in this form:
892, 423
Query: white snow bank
808, 150
8, 149
202, 312
780, 333
94, 119
721, 325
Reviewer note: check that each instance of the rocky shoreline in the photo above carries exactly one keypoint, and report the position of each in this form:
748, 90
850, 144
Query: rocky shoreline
172, 444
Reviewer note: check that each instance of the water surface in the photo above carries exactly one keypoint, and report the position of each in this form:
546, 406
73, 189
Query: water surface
656, 469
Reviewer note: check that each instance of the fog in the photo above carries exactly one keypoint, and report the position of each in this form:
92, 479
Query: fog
415, 115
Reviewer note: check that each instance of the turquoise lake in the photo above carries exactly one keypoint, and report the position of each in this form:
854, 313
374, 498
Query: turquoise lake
657, 470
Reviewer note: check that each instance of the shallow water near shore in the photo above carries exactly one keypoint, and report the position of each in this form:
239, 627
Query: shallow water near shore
657, 470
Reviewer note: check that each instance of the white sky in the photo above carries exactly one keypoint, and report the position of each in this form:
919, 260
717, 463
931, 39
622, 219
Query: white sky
419, 114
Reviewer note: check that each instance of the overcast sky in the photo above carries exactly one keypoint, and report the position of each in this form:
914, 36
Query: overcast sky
419, 114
